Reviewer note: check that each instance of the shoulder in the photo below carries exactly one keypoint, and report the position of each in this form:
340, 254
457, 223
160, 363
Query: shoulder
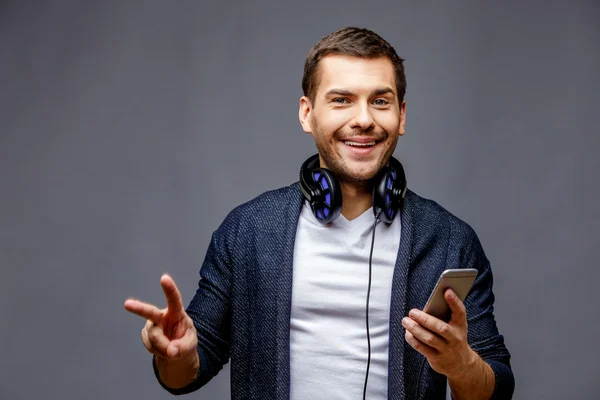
263, 210
430, 218
266, 205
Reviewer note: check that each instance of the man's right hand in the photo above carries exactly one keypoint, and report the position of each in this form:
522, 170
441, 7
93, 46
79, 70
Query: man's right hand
170, 335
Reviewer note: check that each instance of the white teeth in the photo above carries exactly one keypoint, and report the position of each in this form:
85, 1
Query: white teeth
360, 144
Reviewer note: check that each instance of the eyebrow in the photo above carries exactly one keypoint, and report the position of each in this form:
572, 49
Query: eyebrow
385, 90
343, 92
339, 92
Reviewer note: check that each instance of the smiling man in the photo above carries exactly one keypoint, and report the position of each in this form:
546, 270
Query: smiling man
298, 292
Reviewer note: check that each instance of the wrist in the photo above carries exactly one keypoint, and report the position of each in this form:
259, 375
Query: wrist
469, 363
178, 373
476, 380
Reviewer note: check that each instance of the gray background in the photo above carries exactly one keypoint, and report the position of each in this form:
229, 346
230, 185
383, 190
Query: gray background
129, 129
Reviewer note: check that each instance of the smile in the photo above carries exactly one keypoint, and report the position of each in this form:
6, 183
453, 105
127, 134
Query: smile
357, 144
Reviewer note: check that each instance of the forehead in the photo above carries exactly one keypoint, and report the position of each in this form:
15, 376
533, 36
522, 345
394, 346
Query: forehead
355, 73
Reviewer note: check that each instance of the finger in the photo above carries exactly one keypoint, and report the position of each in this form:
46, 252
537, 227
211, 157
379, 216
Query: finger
174, 303
419, 346
151, 349
459, 312
186, 344
158, 340
430, 322
144, 310
182, 327
424, 335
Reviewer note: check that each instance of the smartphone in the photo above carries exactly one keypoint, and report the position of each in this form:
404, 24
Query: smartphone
459, 280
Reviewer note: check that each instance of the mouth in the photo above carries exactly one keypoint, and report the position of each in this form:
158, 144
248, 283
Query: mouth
360, 146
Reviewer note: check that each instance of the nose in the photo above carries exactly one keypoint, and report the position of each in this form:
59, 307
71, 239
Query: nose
363, 118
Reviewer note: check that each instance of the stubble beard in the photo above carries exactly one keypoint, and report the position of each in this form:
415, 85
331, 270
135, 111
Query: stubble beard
336, 164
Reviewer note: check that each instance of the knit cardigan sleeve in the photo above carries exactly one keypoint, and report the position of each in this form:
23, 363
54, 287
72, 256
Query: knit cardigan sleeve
483, 335
210, 308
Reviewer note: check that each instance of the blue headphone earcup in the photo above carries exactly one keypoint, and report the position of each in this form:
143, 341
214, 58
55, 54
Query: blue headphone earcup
389, 191
321, 189
329, 207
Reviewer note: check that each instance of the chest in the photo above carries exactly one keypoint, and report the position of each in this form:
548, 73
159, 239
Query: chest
331, 269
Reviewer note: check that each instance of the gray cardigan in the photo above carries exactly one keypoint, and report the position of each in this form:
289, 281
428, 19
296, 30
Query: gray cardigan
241, 309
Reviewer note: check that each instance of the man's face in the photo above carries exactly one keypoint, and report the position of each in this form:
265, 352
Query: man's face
355, 119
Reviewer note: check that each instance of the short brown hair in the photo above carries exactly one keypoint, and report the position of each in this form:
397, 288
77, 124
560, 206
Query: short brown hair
355, 42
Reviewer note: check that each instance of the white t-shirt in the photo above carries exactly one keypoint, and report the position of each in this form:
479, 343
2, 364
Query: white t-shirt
328, 337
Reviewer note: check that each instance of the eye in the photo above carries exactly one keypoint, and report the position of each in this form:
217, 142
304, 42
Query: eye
381, 102
340, 100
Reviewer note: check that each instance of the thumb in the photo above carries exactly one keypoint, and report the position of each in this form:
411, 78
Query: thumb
182, 347
459, 312
173, 350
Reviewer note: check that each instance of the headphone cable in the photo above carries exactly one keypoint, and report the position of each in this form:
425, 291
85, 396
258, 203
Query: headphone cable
367, 307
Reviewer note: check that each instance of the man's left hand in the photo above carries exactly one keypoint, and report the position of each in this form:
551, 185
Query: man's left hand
443, 344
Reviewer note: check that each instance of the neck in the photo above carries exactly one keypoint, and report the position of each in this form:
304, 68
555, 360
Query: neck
358, 198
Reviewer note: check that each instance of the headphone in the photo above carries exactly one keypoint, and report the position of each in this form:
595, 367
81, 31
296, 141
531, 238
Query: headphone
322, 190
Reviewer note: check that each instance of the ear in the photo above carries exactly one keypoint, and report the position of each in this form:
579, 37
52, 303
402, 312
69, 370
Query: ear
402, 118
304, 114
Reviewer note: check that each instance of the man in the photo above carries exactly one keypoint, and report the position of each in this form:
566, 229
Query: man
288, 289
